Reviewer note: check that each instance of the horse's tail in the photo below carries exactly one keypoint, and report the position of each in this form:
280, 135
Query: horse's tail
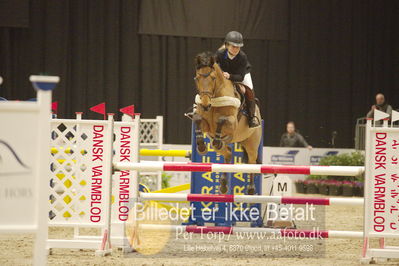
257, 102
245, 156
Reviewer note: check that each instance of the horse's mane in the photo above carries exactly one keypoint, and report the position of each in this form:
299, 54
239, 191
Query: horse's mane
218, 69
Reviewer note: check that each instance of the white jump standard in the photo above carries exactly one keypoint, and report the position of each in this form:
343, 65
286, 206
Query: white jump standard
24, 141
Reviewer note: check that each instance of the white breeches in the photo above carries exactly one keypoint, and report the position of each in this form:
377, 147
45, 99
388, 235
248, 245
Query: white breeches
248, 81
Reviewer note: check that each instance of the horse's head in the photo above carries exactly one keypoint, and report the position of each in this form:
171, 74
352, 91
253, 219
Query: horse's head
205, 78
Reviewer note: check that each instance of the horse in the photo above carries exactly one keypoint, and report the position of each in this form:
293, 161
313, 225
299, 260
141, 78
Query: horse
217, 114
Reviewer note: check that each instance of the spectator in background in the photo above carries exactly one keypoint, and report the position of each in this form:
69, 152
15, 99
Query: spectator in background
292, 138
381, 105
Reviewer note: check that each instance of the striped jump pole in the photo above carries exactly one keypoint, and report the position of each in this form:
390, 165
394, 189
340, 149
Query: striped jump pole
143, 152
249, 199
230, 230
171, 153
242, 168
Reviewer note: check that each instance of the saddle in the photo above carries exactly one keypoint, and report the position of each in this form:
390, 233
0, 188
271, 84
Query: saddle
242, 110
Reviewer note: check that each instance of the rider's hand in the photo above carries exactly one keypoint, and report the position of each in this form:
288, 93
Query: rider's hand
226, 75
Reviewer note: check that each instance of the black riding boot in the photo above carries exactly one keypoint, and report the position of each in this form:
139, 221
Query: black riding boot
251, 106
252, 119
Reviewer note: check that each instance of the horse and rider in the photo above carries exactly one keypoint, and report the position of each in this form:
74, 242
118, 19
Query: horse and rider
226, 109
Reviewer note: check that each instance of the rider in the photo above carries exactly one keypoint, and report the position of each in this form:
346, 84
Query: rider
234, 63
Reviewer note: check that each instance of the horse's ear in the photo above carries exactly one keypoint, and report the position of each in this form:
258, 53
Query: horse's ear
197, 61
213, 60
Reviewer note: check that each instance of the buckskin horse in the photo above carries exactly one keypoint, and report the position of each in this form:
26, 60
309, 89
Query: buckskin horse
217, 114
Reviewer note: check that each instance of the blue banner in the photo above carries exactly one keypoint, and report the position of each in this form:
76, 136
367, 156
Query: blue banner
220, 213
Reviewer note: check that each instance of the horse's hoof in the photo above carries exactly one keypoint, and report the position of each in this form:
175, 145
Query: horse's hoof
217, 144
202, 149
251, 191
223, 189
223, 185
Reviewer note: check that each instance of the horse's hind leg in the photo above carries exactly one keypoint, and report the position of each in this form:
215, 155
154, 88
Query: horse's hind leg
251, 146
251, 185
200, 125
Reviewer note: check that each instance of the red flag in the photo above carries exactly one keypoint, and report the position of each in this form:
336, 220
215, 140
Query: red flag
54, 107
99, 108
129, 110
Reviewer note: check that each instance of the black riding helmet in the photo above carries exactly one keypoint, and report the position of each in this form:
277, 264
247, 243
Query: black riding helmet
234, 38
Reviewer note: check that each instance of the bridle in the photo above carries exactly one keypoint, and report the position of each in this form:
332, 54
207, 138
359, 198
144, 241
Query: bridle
207, 93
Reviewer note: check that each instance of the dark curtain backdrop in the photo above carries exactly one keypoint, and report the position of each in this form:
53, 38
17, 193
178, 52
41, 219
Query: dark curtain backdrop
258, 19
14, 13
339, 53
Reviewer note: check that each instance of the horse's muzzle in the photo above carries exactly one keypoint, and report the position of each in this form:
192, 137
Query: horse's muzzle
206, 108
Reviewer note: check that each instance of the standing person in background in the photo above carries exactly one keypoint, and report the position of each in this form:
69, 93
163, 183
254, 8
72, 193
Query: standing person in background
381, 105
291, 138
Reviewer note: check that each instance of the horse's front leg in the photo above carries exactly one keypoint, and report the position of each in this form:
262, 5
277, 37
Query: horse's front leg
200, 127
224, 124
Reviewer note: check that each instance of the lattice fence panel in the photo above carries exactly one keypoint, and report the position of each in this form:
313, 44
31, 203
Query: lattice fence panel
71, 166
149, 132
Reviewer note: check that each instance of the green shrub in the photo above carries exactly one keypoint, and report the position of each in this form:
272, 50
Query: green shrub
345, 159
165, 180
